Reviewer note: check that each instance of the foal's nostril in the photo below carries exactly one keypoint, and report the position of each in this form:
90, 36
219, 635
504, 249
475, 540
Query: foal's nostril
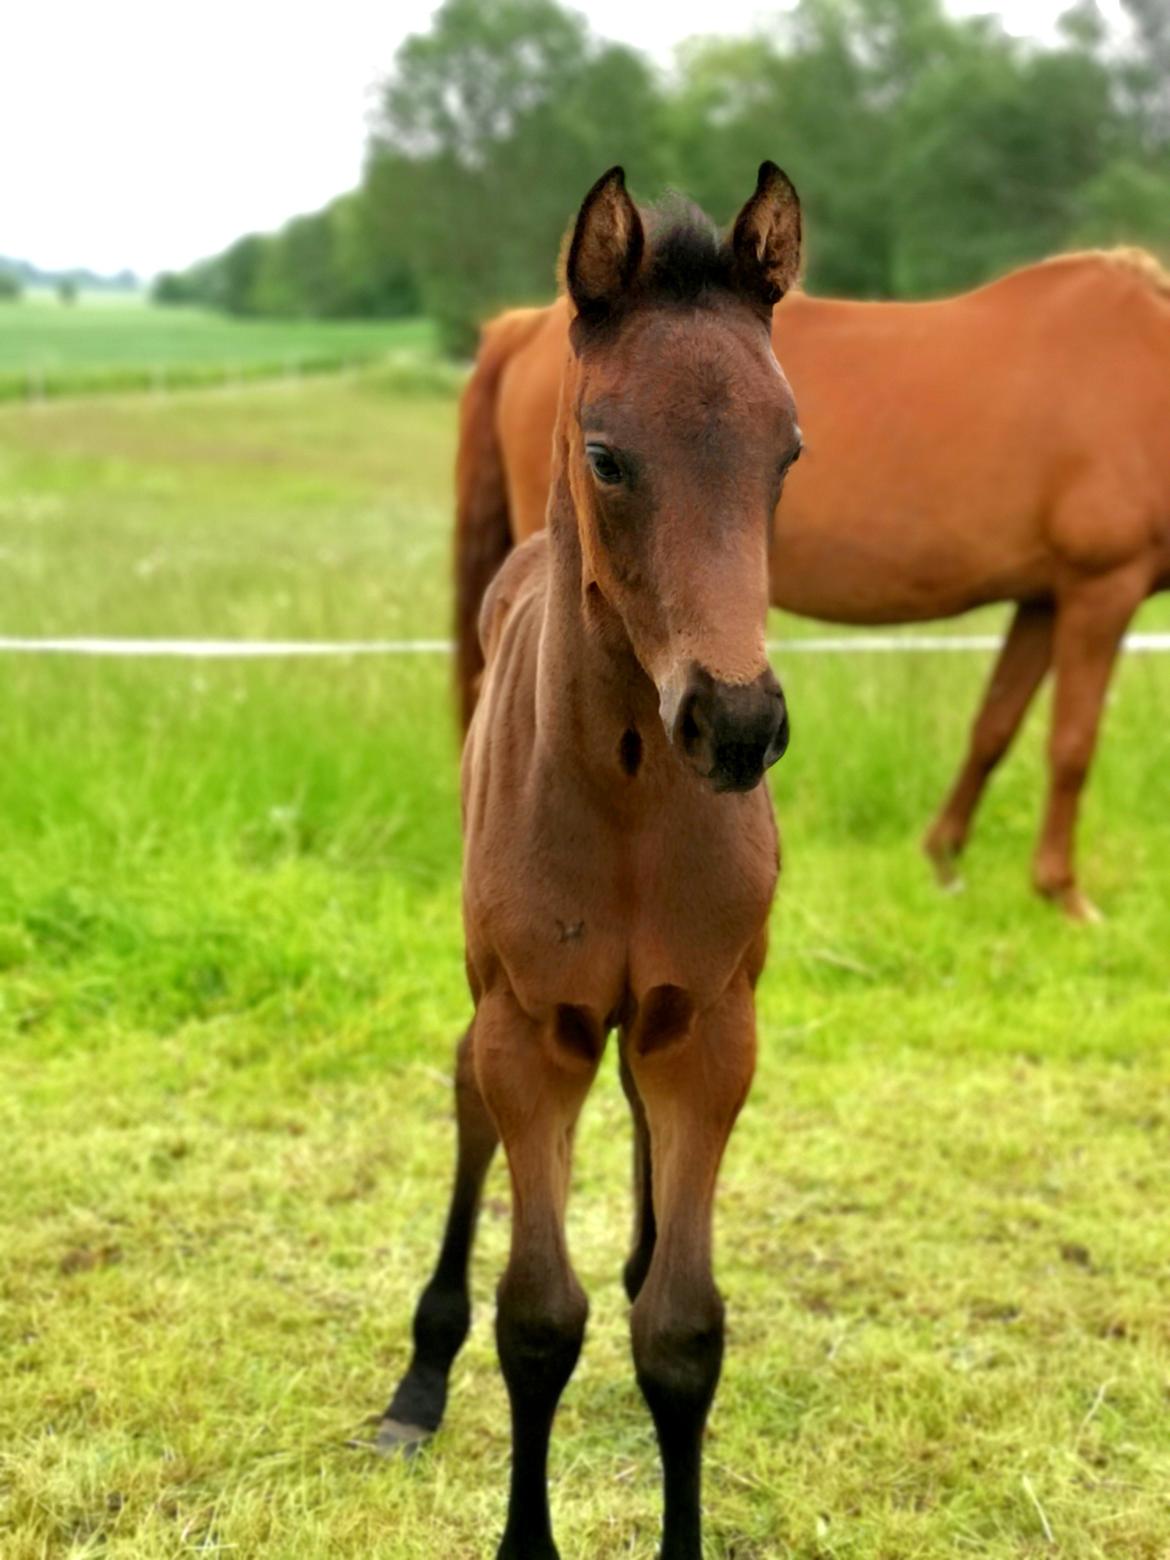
689, 732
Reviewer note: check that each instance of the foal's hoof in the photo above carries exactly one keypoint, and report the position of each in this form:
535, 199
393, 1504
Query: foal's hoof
395, 1439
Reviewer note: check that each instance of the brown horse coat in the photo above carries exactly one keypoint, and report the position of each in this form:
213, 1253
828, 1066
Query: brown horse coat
1009, 444
620, 854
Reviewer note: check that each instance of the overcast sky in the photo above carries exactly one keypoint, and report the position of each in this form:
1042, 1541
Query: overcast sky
145, 134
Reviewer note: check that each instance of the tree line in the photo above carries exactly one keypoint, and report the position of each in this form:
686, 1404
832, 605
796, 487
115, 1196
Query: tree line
930, 152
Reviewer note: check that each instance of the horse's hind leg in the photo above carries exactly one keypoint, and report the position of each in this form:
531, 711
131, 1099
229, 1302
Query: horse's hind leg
642, 1249
443, 1315
1023, 659
692, 1072
1092, 618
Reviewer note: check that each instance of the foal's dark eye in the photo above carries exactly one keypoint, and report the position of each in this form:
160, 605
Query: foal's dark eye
604, 464
791, 460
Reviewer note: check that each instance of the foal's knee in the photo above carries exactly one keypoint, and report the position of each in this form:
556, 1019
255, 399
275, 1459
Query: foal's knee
678, 1353
539, 1332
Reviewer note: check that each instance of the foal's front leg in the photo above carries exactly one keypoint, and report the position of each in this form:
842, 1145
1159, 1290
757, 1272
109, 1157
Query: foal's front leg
534, 1076
692, 1079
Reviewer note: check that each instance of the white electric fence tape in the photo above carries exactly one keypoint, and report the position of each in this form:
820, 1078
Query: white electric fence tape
267, 649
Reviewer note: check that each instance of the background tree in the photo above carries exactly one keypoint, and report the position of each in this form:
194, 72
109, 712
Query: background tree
491, 127
931, 153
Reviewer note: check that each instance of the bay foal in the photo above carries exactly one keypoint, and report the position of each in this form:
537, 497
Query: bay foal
620, 852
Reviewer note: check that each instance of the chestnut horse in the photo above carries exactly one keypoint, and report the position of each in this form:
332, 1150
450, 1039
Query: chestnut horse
620, 852
1012, 444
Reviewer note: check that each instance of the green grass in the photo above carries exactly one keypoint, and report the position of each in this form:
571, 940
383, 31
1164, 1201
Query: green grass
230, 982
101, 344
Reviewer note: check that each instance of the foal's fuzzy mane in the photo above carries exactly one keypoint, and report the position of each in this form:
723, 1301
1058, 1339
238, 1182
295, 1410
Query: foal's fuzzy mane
686, 255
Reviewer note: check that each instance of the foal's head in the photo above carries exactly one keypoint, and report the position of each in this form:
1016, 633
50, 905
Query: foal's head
680, 428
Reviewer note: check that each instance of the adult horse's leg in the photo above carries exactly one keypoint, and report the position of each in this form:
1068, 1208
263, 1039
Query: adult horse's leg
534, 1078
443, 1315
692, 1073
1024, 657
642, 1249
1092, 617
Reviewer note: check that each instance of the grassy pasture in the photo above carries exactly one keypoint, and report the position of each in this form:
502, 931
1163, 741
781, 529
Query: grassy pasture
104, 343
230, 983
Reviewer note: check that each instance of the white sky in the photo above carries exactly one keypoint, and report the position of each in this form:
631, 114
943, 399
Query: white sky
147, 134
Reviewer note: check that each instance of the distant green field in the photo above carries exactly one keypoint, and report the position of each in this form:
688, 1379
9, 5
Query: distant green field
104, 343
230, 984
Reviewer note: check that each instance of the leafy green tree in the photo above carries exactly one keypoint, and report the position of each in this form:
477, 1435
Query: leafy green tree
174, 287
931, 153
1145, 73
10, 288
994, 146
492, 125
1127, 202
371, 257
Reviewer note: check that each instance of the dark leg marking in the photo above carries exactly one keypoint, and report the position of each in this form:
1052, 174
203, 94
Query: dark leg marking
443, 1317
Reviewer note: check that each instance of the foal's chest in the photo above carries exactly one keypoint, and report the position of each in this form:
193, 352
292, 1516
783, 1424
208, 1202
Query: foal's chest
573, 907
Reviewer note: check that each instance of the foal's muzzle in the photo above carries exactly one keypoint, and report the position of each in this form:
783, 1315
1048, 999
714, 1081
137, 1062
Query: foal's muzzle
729, 733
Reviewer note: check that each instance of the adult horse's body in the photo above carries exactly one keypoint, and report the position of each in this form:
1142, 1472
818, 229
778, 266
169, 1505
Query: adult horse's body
620, 853
1012, 444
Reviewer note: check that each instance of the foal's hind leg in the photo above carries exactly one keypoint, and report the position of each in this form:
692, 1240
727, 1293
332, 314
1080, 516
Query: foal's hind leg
693, 1074
443, 1316
645, 1229
1092, 618
1023, 659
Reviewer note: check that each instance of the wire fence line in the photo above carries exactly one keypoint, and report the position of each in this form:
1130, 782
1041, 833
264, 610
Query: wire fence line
274, 649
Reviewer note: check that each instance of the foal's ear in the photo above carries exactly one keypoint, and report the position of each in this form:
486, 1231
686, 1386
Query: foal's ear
765, 241
606, 247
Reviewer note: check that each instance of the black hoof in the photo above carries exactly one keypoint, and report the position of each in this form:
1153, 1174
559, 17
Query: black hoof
396, 1439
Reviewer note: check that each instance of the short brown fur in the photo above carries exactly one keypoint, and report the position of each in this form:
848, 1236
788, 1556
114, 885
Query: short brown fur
620, 852
1011, 444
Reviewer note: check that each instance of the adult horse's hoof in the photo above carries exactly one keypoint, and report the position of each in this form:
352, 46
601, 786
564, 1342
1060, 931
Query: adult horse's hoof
1079, 908
395, 1439
943, 859
1068, 897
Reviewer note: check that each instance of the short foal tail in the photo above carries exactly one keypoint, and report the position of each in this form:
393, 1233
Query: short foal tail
483, 533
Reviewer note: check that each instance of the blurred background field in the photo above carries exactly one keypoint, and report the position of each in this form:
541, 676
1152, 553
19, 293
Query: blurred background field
101, 342
230, 982
230, 956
